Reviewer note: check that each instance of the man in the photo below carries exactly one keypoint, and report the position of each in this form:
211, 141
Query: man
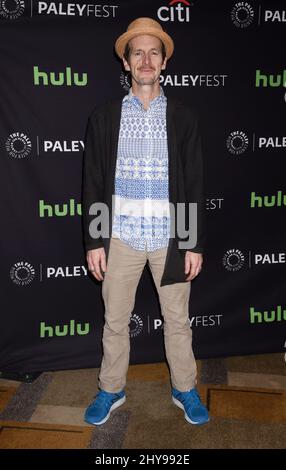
142, 155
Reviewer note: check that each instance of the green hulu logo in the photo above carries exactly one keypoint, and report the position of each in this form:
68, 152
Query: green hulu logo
270, 80
267, 316
68, 78
59, 210
70, 329
276, 200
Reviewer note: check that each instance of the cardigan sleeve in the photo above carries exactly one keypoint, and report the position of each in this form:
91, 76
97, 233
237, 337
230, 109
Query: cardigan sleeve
92, 178
194, 177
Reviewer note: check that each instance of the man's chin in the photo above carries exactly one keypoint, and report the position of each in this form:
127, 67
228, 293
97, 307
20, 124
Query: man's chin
146, 81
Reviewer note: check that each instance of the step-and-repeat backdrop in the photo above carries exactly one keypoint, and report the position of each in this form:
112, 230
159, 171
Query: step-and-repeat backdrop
58, 63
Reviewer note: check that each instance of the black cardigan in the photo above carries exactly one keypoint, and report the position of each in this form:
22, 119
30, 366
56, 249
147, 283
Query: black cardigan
185, 174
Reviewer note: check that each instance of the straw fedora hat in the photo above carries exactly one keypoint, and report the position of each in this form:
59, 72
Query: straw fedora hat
144, 26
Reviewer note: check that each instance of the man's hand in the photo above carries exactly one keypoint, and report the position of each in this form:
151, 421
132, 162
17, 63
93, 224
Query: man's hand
96, 261
193, 264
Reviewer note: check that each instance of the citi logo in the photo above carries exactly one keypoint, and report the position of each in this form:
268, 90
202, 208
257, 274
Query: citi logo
180, 12
276, 315
275, 200
71, 329
59, 210
18, 145
270, 80
67, 78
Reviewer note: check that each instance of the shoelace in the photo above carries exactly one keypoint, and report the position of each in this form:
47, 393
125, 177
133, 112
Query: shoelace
191, 398
104, 397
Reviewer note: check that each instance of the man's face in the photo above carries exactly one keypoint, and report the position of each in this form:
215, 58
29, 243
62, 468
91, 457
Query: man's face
145, 59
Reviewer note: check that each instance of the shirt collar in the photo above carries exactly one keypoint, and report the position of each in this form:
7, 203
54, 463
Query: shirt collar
157, 101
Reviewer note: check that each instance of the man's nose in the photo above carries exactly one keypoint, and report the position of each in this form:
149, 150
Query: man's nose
146, 59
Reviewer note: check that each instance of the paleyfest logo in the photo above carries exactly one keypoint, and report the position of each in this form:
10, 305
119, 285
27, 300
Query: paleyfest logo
96, 9
180, 80
233, 260
125, 81
11, 9
237, 142
18, 145
136, 325
22, 273
242, 14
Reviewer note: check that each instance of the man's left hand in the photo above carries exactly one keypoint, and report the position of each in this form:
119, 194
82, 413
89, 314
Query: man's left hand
193, 264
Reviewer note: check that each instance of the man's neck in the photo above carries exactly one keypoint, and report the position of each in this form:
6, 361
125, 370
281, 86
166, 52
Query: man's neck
146, 93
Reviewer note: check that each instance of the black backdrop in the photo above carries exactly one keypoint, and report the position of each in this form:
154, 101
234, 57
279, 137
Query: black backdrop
57, 63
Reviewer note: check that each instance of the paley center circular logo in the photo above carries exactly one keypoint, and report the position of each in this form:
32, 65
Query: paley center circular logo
18, 145
22, 273
12, 9
233, 260
242, 14
136, 325
125, 81
237, 142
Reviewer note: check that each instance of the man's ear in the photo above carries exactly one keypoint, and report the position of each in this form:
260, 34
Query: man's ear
164, 64
125, 64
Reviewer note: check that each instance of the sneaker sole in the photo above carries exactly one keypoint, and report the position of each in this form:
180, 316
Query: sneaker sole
114, 406
181, 406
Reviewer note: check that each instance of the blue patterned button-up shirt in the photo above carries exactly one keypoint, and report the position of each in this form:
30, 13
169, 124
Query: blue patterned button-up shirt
141, 211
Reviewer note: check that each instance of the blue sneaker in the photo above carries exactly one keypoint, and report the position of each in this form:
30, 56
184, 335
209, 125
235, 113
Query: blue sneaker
190, 402
99, 410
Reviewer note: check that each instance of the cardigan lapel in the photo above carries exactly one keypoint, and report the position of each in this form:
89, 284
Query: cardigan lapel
115, 113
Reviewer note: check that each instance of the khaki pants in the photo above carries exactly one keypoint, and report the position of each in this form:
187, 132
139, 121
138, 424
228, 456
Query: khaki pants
124, 269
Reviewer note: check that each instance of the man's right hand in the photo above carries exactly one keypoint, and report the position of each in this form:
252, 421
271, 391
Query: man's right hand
96, 261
